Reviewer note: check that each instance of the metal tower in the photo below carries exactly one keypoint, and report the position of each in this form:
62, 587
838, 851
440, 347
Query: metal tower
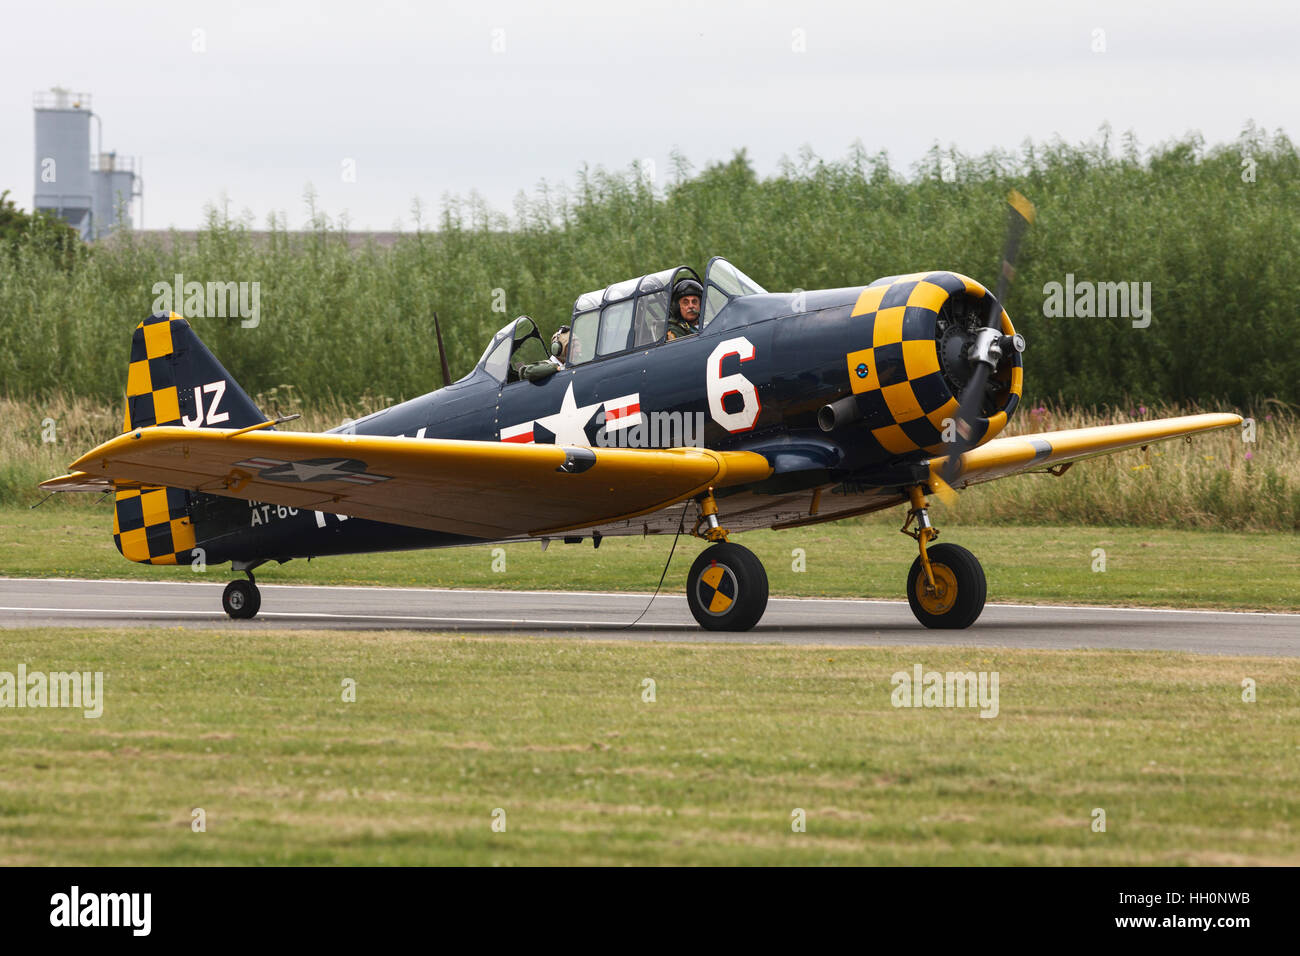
94, 196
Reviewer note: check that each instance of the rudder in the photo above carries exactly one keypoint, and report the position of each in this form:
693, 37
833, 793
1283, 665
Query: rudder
152, 524
172, 379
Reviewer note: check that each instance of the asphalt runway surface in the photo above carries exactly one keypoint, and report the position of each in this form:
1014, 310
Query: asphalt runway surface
32, 602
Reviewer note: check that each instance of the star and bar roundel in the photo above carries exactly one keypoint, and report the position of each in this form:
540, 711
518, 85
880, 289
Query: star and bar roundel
350, 470
568, 426
895, 371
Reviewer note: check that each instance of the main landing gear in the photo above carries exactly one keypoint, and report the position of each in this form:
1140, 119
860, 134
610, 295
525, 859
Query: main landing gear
241, 599
946, 586
727, 586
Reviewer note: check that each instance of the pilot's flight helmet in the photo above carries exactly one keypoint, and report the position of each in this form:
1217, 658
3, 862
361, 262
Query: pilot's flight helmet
560, 342
685, 287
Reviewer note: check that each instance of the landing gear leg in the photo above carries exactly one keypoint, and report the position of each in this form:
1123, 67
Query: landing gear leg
241, 599
946, 587
727, 585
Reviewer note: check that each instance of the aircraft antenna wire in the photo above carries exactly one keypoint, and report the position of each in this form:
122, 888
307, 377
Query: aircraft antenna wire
680, 525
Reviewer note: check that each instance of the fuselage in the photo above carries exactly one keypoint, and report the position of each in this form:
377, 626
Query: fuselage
755, 378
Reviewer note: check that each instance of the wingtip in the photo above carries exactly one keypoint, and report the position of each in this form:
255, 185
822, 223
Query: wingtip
75, 481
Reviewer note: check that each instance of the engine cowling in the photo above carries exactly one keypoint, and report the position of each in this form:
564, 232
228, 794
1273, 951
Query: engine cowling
909, 360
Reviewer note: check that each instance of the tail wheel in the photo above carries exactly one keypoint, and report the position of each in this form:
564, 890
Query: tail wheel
960, 588
727, 588
241, 599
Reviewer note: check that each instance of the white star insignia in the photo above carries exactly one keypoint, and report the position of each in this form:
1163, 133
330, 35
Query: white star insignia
569, 424
315, 469
303, 471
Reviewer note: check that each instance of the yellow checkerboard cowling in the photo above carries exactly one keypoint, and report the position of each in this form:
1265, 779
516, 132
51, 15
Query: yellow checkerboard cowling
896, 374
151, 393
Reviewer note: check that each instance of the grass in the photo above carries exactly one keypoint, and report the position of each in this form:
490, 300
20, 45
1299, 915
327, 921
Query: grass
868, 558
252, 728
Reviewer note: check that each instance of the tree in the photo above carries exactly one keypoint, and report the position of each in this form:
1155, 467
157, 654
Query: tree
42, 229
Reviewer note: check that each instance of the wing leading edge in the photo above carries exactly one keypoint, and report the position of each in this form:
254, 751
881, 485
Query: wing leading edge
1009, 456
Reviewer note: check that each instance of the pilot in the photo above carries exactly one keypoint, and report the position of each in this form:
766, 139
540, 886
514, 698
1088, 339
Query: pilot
559, 353
684, 316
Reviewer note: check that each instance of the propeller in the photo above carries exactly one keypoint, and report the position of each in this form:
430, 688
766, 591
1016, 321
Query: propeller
990, 345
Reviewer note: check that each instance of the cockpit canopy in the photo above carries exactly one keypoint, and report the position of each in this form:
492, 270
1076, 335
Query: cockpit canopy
627, 315
517, 343
634, 313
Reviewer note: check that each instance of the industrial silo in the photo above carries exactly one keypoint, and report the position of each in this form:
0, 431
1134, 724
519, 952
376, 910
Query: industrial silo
115, 186
63, 180
93, 197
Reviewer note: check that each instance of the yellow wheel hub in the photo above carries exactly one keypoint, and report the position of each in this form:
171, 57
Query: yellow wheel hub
945, 590
717, 588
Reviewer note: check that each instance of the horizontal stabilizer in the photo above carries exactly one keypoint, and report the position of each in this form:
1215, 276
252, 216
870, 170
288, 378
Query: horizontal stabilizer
77, 481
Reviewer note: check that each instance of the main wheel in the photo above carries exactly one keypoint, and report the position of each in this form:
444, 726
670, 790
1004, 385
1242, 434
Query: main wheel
241, 599
727, 588
960, 588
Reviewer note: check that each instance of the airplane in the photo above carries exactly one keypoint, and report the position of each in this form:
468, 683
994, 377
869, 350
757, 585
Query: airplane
784, 409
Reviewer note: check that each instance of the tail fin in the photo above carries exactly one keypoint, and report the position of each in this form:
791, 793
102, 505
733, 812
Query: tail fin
172, 380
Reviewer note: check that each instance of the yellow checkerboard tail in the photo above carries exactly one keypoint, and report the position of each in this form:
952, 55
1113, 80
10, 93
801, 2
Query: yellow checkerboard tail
172, 379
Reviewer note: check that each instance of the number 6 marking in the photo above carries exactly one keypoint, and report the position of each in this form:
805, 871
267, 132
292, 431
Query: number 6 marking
720, 386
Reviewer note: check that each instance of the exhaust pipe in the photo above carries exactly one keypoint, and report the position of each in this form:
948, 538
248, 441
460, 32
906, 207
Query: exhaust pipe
837, 413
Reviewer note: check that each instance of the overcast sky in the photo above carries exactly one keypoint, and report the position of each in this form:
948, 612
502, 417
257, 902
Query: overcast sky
435, 98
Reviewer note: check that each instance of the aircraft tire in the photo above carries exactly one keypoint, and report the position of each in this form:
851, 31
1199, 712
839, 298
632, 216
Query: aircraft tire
241, 599
961, 585
727, 588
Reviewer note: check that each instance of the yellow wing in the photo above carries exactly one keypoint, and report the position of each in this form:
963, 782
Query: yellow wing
485, 489
1009, 456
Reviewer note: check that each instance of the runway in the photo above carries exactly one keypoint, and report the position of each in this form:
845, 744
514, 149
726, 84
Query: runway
38, 602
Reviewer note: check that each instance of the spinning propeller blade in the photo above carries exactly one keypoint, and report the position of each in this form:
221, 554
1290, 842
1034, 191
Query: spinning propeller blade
987, 349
